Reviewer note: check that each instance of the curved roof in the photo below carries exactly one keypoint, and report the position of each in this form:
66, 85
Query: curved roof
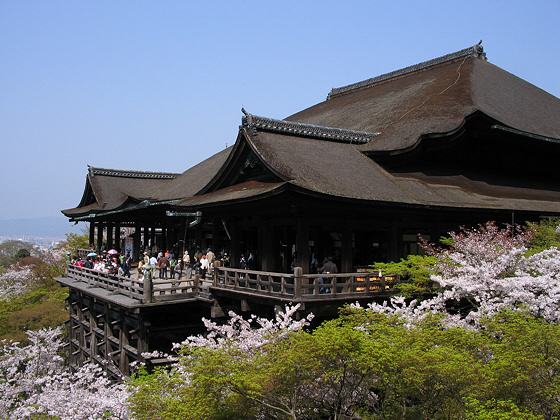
192, 180
435, 97
110, 189
328, 148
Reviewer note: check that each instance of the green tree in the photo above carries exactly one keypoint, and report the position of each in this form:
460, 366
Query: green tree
9, 249
414, 272
22, 253
74, 241
546, 235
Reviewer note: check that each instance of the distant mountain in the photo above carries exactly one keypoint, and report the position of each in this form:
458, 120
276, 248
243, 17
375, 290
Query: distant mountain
41, 227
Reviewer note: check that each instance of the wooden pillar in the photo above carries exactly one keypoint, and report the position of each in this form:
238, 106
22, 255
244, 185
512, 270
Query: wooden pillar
164, 246
395, 239
302, 244
123, 341
92, 234
99, 235
145, 238
118, 246
266, 246
235, 252
346, 263
152, 238
198, 236
136, 252
287, 250
73, 326
143, 337
110, 244
215, 235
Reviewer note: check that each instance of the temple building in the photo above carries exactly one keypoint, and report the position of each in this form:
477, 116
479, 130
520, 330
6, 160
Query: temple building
421, 150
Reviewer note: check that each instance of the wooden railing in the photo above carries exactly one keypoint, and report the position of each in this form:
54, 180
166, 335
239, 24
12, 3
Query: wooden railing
302, 286
150, 291
296, 286
82, 252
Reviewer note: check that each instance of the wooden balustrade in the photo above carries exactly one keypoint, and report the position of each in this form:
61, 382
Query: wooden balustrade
302, 286
156, 290
296, 286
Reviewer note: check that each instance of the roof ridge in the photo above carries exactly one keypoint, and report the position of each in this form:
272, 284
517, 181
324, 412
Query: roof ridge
475, 51
132, 174
255, 123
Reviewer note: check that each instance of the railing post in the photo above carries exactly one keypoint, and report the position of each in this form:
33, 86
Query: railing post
196, 284
298, 273
217, 265
148, 289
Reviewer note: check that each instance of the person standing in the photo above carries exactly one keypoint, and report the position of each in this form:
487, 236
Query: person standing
197, 255
172, 264
126, 267
210, 257
203, 266
162, 265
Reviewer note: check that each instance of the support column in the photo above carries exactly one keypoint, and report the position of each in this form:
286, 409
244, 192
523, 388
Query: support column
198, 236
136, 252
164, 246
215, 235
145, 238
92, 234
235, 253
118, 246
302, 243
266, 246
110, 244
152, 238
346, 260
99, 235
395, 239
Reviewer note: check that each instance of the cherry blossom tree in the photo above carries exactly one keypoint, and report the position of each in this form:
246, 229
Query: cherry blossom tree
35, 380
15, 281
484, 271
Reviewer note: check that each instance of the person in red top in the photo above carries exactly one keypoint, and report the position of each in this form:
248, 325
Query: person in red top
163, 262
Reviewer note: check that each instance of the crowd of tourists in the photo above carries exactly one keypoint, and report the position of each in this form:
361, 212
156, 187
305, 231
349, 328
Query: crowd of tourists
161, 265
107, 263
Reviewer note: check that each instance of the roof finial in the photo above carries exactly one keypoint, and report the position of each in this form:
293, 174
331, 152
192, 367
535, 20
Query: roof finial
479, 51
247, 121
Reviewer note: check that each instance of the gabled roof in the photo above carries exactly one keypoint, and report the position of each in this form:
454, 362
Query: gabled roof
435, 97
192, 180
324, 149
111, 189
337, 148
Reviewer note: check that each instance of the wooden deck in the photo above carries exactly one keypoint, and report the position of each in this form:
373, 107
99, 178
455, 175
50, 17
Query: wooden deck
296, 287
118, 319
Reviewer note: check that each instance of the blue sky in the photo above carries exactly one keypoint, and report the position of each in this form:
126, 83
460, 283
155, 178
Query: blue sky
159, 86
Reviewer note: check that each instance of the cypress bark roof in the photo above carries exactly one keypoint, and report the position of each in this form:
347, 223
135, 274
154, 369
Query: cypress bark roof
434, 117
435, 97
111, 189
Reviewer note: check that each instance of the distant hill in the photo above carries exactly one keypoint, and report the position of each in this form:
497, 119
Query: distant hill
41, 227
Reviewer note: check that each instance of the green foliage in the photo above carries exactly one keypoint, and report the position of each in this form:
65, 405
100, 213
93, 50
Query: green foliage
9, 249
368, 365
22, 253
414, 272
545, 235
74, 241
496, 410
43, 306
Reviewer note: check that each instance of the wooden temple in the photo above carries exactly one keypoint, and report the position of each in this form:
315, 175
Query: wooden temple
422, 150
